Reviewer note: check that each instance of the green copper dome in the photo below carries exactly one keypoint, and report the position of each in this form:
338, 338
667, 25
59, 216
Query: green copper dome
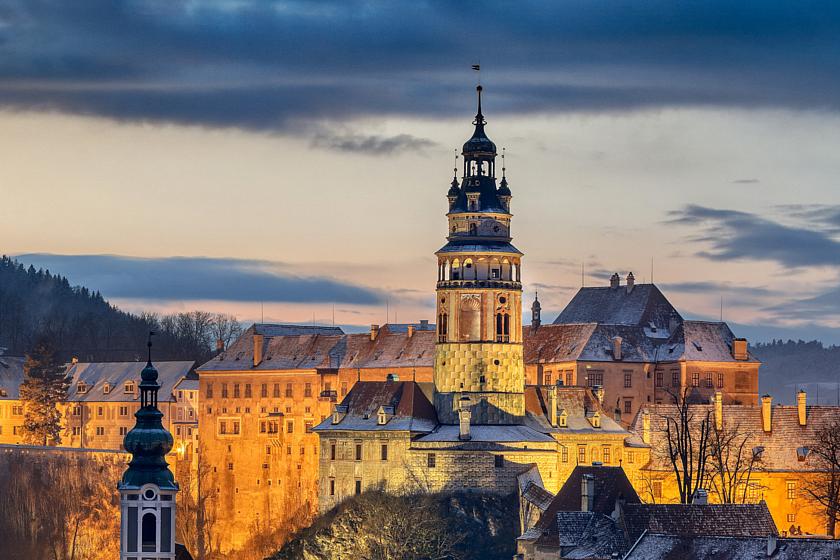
148, 442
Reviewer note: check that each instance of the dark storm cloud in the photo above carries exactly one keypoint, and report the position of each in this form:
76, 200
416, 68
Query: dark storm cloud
199, 278
371, 145
822, 306
734, 235
717, 288
279, 66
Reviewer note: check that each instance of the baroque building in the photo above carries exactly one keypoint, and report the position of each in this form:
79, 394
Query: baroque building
478, 426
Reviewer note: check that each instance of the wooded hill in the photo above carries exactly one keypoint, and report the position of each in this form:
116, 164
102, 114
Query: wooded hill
791, 365
80, 323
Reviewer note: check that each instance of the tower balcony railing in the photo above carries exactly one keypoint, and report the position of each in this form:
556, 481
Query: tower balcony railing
471, 284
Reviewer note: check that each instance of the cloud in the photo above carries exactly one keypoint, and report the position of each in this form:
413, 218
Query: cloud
372, 145
734, 235
718, 288
824, 306
279, 66
746, 181
200, 278
825, 215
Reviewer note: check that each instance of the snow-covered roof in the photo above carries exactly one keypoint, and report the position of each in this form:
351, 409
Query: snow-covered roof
642, 306
487, 434
95, 376
701, 341
663, 547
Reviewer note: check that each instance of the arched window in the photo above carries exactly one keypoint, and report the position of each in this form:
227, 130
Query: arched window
149, 533
502, 327
456, 269
469, 270
473, 229
442, 327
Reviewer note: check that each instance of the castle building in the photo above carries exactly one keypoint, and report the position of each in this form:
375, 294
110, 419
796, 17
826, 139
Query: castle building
148, 488
11, 407
478, 427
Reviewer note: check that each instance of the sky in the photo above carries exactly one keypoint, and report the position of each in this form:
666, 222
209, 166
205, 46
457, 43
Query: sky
289, 161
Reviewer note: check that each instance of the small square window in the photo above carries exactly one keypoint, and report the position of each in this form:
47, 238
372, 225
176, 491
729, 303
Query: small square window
498, 461
431, 460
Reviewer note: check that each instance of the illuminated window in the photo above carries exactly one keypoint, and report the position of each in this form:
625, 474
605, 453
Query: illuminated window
695, 379
606, 455
791, 490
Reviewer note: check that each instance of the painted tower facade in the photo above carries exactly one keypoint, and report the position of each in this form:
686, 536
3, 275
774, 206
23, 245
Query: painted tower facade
479, 359
148, 488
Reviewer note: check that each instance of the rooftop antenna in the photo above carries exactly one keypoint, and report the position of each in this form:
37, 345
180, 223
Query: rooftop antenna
313, 318
333, 314
387, 309
149, 345
582, 274
721, 309
262, 312
651, 270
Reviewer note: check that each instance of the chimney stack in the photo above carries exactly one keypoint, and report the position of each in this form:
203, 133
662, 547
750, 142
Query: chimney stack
646, 426
771, 544
631, 281
801, 401
464, 417
718, 400
766, 413
615, 281
700, 498
739, 349
552, 405
374, 331
424, 324
410, 331
258, 348
587, 492
616, 350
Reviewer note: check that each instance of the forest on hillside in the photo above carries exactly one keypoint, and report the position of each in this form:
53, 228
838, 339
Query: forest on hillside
80, 323
792, 365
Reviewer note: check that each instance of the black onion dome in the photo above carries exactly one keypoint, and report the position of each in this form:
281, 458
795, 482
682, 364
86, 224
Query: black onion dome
479, 144
148, 441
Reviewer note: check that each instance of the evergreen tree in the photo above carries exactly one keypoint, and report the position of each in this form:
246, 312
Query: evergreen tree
44, 386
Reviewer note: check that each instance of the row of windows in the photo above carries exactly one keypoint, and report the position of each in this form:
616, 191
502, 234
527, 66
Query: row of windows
709, 379
16, 430
100, 430
232, 427
76, 410
566, 378
289, 390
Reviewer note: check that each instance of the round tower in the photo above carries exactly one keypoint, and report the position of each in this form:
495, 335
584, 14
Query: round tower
148, 488
479, 295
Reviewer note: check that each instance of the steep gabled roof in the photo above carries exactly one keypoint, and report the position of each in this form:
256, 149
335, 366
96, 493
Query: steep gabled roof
556, 343
409, 409
721, 520
700, 341
611, 483
642, 306
668, 547
579, 403
95, 375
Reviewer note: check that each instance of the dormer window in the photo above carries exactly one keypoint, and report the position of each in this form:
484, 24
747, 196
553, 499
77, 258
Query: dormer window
802, 453
384, 414
129, 387
3, 392
106, 388
339, 412
563, 419
595, 419
81, 388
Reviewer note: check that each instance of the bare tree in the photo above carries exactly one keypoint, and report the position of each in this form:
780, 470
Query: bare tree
196, 519
687, 440
823, 487
732, 460
225, 328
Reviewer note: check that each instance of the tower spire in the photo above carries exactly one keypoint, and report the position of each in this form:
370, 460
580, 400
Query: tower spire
479, 118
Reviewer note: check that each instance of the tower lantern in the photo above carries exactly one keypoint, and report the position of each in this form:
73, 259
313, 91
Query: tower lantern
148, 488
479, 350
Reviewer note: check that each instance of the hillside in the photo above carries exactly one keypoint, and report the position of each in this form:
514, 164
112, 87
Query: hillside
790, 365
459, 526
82, 324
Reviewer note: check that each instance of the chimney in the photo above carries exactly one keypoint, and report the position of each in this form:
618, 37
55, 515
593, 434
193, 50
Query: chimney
74, 360
646, 427
410, 331
771, 544
552, 405
598, 390
615, 281
258, 348
374, 331
587, 492
424, 324
631, 281
616, 349
801, 400
718, 400
766, 413
700, 498
464, 416
739, 349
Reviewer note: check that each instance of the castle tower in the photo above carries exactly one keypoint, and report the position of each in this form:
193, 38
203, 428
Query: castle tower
479, 295
147, 488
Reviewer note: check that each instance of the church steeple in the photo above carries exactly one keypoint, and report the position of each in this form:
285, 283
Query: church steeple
148, 488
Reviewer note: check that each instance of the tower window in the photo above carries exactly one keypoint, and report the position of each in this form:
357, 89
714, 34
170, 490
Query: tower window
473, 229
149, 533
